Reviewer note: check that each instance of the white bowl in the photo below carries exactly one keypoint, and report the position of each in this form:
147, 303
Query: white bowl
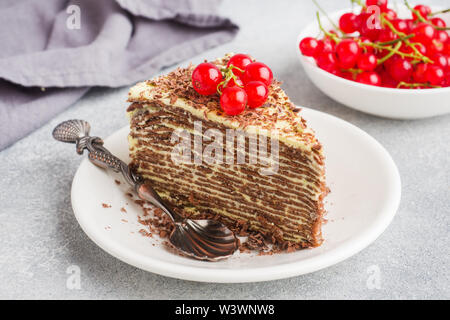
380, 101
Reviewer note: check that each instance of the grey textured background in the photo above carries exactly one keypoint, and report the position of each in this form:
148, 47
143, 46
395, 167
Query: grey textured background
40, 238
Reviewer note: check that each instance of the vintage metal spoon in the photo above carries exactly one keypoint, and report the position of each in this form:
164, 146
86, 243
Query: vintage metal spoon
201, 239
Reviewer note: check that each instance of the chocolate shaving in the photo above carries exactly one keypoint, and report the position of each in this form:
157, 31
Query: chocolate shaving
178, 84
145, 233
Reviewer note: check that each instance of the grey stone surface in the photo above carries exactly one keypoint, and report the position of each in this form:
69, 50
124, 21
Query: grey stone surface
40, 238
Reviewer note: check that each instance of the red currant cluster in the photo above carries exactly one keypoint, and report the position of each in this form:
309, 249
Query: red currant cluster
387, 51
242, 83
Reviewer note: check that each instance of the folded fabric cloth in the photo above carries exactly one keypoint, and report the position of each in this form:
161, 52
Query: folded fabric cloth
53, 51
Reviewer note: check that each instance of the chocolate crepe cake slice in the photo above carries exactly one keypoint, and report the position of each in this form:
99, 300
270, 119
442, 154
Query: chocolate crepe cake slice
284, 203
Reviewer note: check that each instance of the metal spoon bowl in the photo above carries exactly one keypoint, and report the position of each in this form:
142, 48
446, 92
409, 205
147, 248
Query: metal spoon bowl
204, 239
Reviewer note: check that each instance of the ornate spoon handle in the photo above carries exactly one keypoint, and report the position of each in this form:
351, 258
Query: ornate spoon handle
77, 131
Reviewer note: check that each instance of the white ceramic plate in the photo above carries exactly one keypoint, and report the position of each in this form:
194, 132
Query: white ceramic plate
384, 102
365, 194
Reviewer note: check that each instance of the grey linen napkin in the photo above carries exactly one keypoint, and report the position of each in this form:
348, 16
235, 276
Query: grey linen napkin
49, 58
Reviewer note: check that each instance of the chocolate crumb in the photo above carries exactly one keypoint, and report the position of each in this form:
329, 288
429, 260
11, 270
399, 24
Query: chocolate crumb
145, 233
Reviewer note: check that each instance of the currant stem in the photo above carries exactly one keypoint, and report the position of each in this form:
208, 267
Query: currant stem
439, 12
353, 71
390, 54
228, 73
415, 85
225, 70
328, 34
396, 40
326, 15
358, 2
417, 13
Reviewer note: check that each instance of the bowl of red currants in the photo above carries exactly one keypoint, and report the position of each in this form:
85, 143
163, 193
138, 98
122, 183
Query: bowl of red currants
387, 61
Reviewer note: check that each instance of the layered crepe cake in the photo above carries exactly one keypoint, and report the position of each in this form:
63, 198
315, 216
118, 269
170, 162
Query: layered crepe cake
283, 203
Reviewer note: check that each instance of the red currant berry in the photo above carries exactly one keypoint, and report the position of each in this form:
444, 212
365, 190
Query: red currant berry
370, 78
381, 3
347, 22
419, 73
435, 47
387, 35
369, 29
310, 46
438, 22
240, 61
348, 52
205, 78
367, 49
446, 82
401, 69
327, 61
411, 25
346, 75
391, 14
400, 25
435, 75
361, 19
388, 63
423, 10
424, 33
367, 62
442, 36
440, 60
327, 45
233, 100
258, 71
257, 93
386, 80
